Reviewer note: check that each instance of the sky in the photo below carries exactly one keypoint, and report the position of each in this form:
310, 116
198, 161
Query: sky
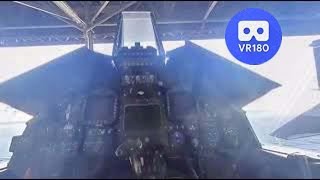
293, 67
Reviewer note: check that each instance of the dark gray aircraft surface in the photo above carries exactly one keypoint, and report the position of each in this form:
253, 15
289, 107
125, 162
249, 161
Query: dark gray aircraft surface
142, 113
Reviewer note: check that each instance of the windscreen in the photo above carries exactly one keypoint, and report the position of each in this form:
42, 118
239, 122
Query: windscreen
138, 27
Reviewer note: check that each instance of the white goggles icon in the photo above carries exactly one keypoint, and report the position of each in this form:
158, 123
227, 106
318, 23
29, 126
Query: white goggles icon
258, 29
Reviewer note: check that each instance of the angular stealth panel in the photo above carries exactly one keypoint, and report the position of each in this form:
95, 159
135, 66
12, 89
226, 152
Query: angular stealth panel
45, 86
213, 77
306, 124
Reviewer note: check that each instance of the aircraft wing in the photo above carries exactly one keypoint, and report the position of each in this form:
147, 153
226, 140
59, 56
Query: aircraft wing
306, 123
209, 75
38, 89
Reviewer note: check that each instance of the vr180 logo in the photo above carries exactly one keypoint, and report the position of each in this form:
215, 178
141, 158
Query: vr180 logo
249, 29
253, 36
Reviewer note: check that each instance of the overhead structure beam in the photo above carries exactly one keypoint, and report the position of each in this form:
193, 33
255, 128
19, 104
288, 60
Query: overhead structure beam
43, 9
102, 25
112, 14
32, 5
89, 39
71, 13
159, 22
211, 7
35, 27
138, 5
72, 24
99, 11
